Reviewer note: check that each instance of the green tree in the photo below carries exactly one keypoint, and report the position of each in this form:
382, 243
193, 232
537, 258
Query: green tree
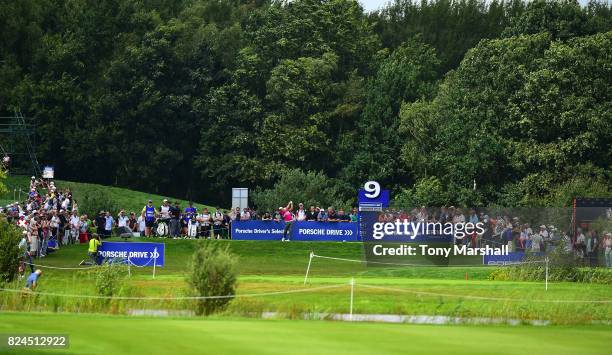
563, 19
214, 272
406, 75
311, 188
9, 251
521, 110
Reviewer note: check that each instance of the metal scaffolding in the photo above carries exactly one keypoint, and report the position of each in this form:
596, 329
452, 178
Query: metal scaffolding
18, 142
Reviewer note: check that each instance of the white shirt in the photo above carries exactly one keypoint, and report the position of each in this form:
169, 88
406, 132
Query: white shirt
54, 221
141, 223
122, 221
301, 215
204, 218
74, 221
164, 211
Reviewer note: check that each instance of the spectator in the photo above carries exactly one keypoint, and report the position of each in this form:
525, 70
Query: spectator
331, 215
311, 215
581, 244
245, 215
458, 217
63, 226
175, 215
536, 243
277, 216
100, 222
607, 245
75, 222
217, 223
235, 214
266, 217
54, 225
592, 246
300, 214
524, 241
33, 238
26, 256
253, 214
44, 235
322, 215
83, 229
544, 234
342, 217
122, 223
133, 223
32, 281
164, 210
109, 221
225, 225
205, 219
142, 225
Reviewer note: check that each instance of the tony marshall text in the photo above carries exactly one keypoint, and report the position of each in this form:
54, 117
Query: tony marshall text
424, 249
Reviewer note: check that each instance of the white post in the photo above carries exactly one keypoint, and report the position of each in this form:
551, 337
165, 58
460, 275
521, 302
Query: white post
351, 305
154, 261
308, 268
546, 281
129, 267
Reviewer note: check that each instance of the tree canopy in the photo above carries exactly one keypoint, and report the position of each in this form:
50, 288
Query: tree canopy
193, 97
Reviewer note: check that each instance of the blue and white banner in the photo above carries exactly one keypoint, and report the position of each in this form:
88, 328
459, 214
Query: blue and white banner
325, 231
512, 258
138, 253
300, 231
257, 230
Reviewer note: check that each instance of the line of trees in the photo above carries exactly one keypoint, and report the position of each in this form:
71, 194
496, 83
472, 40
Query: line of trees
193, 97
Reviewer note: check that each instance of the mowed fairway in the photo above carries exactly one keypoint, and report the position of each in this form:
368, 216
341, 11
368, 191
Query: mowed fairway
98, 334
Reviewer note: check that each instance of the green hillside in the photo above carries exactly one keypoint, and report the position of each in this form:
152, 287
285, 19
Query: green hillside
130, 200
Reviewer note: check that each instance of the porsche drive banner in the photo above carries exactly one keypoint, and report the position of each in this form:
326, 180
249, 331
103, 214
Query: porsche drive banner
139, 254
300, 231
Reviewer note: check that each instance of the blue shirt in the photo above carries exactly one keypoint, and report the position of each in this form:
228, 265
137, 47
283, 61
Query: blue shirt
149, 213
32, 279
109, 223
190, 212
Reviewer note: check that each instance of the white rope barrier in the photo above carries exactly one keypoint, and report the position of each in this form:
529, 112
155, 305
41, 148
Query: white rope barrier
484, 298
301, 290
139, 266
422, 265
59, 267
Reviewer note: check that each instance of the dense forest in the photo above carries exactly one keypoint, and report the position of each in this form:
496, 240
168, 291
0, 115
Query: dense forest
465, 102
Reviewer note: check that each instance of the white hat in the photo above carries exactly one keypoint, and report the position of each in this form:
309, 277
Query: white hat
543, 226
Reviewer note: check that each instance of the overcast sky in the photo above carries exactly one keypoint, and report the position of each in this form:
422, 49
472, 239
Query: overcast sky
371, 5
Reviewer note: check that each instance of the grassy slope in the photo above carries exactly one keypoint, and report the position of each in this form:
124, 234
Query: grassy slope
129, 199
94, 334
276, 266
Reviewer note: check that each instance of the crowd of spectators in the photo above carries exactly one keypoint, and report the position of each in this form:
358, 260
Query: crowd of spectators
50, 218
504, 229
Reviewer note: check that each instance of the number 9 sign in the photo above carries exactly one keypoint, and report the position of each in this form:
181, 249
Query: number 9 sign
372, 189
